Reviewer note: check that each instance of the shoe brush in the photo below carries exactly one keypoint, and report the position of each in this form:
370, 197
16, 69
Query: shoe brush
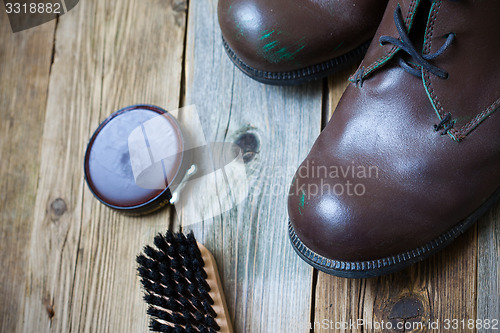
182, 286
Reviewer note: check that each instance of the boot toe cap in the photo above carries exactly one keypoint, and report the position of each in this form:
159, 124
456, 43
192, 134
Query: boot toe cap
278, 36
326, 222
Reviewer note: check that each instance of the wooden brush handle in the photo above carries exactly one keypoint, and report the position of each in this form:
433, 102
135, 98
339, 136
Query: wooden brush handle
216, 292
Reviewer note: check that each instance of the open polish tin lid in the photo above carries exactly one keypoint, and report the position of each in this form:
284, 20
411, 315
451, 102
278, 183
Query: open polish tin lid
136, 160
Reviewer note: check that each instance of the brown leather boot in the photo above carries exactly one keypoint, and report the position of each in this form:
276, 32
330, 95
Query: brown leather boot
291, 42
411, 156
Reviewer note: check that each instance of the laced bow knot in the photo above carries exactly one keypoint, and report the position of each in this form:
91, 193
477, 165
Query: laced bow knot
405, 44
422, 60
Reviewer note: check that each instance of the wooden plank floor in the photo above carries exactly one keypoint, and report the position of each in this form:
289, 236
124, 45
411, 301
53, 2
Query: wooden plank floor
68, 263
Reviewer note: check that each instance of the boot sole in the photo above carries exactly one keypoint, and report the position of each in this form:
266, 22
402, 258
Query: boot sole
378, 267
299, 76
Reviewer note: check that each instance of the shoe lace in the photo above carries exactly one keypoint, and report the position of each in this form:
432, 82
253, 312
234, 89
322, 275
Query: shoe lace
421, 60
446, 124
405, 44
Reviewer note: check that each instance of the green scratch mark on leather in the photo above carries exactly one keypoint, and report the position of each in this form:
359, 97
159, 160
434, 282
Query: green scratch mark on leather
240, 33
275, 52
338, 46
284, 53
302, 201
269, 46
266, 34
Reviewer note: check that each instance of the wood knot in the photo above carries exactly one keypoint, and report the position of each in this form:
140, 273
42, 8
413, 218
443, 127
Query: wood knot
179, 6
57, 208
48, 307
249, 144
408, 315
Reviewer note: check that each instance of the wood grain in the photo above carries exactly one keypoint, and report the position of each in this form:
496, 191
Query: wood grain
437, 289
488, 268
268, 288
82, 271
25, 60
68, 263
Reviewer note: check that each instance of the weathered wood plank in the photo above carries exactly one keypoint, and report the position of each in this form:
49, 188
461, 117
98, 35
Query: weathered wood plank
442, 287
82, 261
81, 272
488, 269
267, 286
25, 60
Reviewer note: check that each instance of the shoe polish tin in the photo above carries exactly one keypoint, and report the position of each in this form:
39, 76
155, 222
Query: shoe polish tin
136, 159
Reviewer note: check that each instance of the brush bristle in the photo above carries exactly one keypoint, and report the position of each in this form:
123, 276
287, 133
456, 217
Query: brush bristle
175, 286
